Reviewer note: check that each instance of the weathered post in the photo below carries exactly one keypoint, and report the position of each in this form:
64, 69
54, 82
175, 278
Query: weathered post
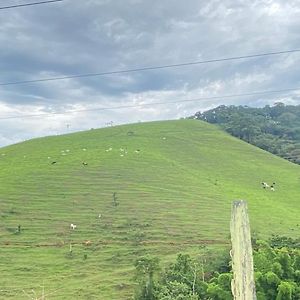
242, 285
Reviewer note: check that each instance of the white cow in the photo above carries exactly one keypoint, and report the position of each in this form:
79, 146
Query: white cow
73, 226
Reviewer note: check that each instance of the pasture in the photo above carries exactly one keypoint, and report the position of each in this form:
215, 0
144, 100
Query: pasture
168, 190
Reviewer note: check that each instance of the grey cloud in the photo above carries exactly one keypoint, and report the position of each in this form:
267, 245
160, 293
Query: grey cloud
93, 36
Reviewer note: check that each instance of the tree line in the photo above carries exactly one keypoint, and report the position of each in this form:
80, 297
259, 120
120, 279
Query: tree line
276, 266
273, 128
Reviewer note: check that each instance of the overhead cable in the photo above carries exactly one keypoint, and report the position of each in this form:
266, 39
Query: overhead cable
153, 104
29, 4
140, 69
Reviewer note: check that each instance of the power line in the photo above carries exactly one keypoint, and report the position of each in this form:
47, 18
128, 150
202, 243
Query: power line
149, 68
153, 104
29, 4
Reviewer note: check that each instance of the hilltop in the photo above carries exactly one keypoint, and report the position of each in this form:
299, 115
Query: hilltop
174, 182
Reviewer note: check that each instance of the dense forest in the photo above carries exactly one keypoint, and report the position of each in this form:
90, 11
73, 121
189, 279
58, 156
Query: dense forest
273, 128
276, 265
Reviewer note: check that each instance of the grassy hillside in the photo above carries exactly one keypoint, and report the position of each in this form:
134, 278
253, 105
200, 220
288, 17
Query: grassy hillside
174, 195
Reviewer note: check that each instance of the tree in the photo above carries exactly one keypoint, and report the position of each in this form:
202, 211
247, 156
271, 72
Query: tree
176, 291
285, 291
273, 128
146, 267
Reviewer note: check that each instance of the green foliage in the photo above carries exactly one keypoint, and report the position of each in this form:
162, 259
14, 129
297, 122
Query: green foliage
145, 270
284, 241
146, 267
285, 291
224, 281
272, 128
285, 261
276, 277
276, 268
175, 290
214, 291
181, 280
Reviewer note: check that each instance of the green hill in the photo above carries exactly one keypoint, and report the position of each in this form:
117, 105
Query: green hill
174, 188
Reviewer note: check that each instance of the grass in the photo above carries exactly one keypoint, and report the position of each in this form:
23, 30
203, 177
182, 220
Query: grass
173, 196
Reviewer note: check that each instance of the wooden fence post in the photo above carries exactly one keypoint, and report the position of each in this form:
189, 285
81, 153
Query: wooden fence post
242, 285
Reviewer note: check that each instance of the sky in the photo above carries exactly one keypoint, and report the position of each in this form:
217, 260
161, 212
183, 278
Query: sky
92, 36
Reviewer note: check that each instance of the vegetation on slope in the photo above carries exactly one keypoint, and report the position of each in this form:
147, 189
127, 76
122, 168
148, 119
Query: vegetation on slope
172, 195
277, 275
273, 128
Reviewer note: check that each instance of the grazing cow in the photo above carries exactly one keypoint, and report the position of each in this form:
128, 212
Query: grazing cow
53, 163
272, 189
73, 226
88, 243
265, 185
85, 163
99, 216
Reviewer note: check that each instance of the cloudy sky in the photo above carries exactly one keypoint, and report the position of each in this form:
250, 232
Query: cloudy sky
91, 36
